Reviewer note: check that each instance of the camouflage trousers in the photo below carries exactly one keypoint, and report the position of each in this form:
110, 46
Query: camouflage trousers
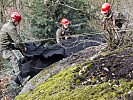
11, 57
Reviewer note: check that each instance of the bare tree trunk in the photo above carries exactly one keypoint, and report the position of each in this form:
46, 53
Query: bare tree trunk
2, 12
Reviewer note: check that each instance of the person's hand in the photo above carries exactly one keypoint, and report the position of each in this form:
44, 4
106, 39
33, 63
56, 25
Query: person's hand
103, 25
25, 49
116, 28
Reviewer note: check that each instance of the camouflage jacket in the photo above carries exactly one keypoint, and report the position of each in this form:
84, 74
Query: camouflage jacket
114, 20
9, 35
62, 33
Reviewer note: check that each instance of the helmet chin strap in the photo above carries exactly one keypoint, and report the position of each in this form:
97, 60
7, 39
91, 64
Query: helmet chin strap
15, 22
65, 26
12, 20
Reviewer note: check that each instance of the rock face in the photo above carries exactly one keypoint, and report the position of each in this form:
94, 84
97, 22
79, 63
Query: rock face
114, 66
78, 44
103, 75
80, 57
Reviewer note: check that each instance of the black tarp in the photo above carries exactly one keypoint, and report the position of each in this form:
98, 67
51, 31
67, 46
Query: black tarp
36, 58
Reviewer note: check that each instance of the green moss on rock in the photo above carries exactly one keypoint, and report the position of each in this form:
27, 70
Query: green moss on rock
61, 87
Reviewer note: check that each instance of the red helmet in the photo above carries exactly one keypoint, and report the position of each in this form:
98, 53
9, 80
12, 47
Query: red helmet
16, 16
105, 8
64, 21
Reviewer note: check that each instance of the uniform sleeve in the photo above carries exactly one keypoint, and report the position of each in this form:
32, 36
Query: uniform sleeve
71, 31
16, 38
103, 22
14, 35
58, 32
124, 25
114, 19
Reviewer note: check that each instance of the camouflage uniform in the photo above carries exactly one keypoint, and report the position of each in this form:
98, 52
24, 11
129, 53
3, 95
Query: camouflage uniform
112, 24
62, 34
9, 35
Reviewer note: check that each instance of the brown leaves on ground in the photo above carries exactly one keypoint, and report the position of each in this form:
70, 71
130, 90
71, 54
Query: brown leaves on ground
4, 82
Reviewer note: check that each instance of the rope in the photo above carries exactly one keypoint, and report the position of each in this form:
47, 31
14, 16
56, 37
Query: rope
76, 43
78, 35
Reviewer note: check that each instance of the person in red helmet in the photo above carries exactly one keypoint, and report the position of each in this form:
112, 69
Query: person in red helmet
63, 32
108, 14
9, 37
112, 23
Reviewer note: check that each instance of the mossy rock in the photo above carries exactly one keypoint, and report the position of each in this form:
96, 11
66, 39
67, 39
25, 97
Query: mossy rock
69, 85
78, 58
59, 87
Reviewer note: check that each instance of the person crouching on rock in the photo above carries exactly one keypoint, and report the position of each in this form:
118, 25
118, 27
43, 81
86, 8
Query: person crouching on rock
112, 23
63, 32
